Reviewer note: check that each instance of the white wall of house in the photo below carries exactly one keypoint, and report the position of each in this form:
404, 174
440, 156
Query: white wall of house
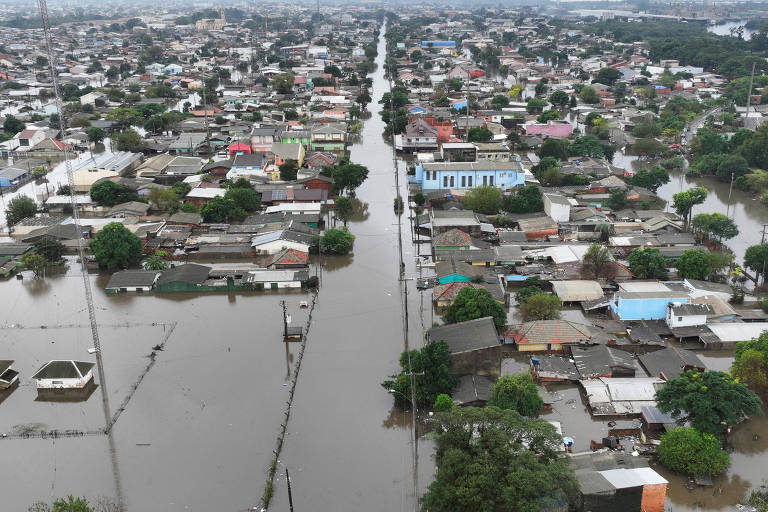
278, 245
557, 211
64, 383
674, 321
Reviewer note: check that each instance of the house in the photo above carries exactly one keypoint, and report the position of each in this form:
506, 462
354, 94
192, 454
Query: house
419, 136
289, 258
455, 271
328, 137
452, 239
275, 242
473, 391
611, 481
317, 182
12, 176
602, 361
187, 277
650, 305
188, 143
444, 220
670, 363
238, 148
577, 290
654, 419
538, 228
546, 335
199, 196
296, 208
8, 376
685, 315
474, 344
620, 396
276, 279
458, 151
246, 165
444, 294
467, 175
492, 152
132, 281
557, 207
285, 151
550, 129
553, 368
218, 169
29, 138
129, 209
84, 179
64, 379
263, 138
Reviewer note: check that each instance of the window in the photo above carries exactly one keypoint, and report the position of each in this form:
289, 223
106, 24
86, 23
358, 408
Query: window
445, 181
485, 180
452, 183
469, 181
463, 182
490, 180
679, 319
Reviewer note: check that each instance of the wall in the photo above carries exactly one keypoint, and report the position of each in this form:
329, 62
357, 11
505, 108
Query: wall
654, 497
557, 212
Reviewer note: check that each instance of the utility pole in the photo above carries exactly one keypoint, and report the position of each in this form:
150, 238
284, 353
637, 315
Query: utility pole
285, 320
749, 95
730, 189
762, 241
290, 494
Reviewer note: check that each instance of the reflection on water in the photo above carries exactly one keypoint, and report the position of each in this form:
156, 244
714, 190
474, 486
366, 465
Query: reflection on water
332, 263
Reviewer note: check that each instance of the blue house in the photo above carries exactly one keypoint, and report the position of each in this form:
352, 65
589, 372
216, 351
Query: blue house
645, 305
416, 109
466, 175
459, 104
438, 44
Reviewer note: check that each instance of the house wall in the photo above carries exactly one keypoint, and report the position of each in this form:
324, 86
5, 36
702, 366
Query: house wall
454, 278
533, 347
64, 383
684, 321
644, 309
139, 289
540, 234
481, 362
505, 179
654, 497
557, 212
278, 245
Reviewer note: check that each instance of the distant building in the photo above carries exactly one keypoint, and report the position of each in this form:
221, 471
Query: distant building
468, 175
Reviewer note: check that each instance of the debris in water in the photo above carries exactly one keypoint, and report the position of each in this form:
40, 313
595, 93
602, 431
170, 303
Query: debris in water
158, 348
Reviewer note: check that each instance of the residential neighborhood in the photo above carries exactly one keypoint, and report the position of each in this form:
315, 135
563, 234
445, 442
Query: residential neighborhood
458, 256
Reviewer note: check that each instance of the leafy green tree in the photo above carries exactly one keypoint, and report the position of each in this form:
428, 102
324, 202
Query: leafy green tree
71, 504
181, 189
548, 115
129, 140
750, 365
589, 95
429, 368
246, 199
755, 150
349, 176
155, 262
535, 105
710, 400
479, 134
499, 101
288, 170
189, 208
591, 145
116, 247
34, 262
18, 208
525, 199
483, 199
692, 452
443, 403
693, 264
283, 83
756, 258
647, 147
559, 98
419, 198
618, 199
343, 209
597, 262
647, 263
12, 125
683, 202
572, 103
506, 462
50, 249
472, 303
541, 306
517, 392
220, 209
554, 147
607, 76
95, 134
337, 241
164, 199
109, 193
651, 178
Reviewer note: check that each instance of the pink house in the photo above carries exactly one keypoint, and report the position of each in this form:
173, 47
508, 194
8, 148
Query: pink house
549, 130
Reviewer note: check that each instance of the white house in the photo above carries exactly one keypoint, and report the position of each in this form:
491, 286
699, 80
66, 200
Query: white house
557, 207
275, 241
8, 376
295, 208
277, 279
686, 315
63, 377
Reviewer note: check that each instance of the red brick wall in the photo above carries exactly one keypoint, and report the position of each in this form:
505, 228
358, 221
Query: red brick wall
654, 497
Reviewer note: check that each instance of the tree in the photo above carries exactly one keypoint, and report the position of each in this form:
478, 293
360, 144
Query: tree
479, 134
541, 306
443, 403
499, 101
618, 199
155, 262
34, 262
517, 392
692, 452
597, 262
683, 202
532, 286
71, 504
607, 76
50, 249
525, 199
116, 247
483, 199
109, 193
472, 303
756, 258
535, 105
750, 365
246, 199
220, 209
651, 178
572, 103
548, 115
589, 95
288, 170
693, 264
12, 125
337, 241
647, 263
129, 140
20, 207
648, 147
691, 397
163, 199
343, 209
554, 147
283, 83
95, 134
559, 98
349, 176
491, 459
429, 368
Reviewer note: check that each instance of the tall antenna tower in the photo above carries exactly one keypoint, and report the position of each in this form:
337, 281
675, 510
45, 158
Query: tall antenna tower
52, 65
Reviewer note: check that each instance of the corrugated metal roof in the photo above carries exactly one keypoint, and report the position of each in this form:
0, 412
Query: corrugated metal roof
624, 478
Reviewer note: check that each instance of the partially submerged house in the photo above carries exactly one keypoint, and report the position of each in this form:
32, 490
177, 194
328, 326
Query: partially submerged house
8, 376
547, 335
138, 281
65, 380
474, 344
